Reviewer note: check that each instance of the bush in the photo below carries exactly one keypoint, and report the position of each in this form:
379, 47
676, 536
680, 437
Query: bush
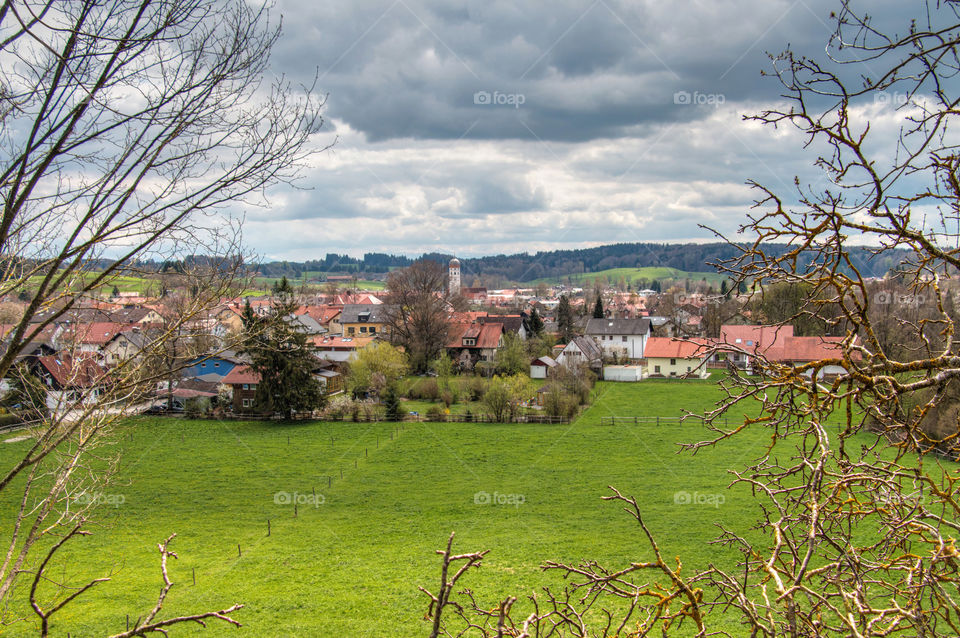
476, 388
447, 397
435, 414
558, 403
424, 390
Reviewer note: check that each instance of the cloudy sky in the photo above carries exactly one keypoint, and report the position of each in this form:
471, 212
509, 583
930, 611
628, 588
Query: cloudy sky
491, 126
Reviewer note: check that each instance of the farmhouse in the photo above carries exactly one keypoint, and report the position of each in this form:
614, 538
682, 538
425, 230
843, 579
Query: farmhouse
472, 343
668, 357
620, 338
579, 351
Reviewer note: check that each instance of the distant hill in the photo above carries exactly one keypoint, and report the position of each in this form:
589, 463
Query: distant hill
693, 259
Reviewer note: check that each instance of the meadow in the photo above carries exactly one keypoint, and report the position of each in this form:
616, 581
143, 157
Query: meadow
634, 276
374, 502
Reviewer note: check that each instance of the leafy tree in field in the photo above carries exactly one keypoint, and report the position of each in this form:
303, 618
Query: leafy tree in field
497, 398
377, 366
511, 356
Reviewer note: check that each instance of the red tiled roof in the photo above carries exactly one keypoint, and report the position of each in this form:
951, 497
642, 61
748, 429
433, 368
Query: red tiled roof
241, 374
667, 348
754, 338
810, 349
97, 333
77, 372
487, 335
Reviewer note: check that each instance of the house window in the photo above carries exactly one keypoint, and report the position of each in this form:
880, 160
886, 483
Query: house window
688, 368
363, 328
656, 369
216, 365
350, 330
373, 329
247, 403
673, 373
673, 362
623, 338
246, 386
253, 386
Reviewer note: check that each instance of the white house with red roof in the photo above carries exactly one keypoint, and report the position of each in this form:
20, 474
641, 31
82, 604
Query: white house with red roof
669, 357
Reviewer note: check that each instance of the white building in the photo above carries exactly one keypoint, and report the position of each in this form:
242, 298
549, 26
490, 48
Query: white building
621, 338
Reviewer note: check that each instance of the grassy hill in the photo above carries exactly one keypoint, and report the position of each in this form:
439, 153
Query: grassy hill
350, 561
635, 276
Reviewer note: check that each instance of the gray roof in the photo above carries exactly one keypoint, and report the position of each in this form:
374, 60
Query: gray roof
588, 347
363, 312
618, 327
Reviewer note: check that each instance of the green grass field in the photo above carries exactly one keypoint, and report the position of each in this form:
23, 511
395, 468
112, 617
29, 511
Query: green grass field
313, 277
351, 565
635, 275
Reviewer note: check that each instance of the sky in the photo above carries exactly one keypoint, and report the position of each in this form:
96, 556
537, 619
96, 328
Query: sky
486, 127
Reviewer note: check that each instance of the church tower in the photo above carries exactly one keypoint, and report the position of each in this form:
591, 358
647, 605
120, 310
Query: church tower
453, 283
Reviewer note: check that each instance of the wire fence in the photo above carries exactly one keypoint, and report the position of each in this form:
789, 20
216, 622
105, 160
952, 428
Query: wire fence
652, 420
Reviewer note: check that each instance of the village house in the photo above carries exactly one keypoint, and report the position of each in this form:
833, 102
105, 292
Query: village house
243, 381
668, 357
340, 349
581, 351
71, 379
623, 339
473, 343
364, 320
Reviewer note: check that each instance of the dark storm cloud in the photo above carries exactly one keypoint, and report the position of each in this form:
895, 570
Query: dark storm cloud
583, 70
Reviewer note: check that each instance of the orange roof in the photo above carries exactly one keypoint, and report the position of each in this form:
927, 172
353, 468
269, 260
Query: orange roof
487, 335
667, 348
341, 343
810, 349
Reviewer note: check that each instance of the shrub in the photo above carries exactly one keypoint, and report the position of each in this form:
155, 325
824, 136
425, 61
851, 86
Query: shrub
424, 390
447, 397
434, 413
476, 388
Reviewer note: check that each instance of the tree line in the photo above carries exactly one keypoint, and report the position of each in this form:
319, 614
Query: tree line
557, 264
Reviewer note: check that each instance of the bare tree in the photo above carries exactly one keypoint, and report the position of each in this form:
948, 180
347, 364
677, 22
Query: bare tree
418, 310
859, 510
127, 128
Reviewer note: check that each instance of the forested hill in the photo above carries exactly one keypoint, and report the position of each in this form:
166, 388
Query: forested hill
562, 263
